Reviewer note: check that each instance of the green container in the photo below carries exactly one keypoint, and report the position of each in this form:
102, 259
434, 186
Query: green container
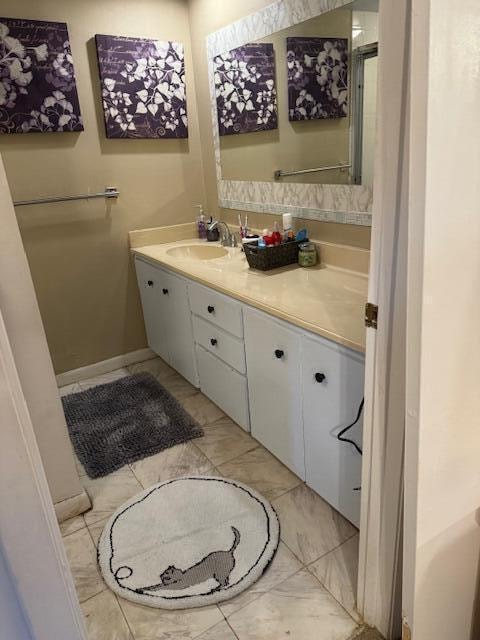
307, 255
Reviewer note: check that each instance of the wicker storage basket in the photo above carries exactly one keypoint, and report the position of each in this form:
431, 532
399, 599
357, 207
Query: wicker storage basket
266, 258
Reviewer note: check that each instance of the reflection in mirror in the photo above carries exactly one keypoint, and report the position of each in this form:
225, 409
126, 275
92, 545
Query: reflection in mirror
302, 99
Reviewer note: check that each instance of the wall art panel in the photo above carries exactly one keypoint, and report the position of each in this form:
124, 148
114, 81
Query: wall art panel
317, 78
245, 89
38, 92
143, 87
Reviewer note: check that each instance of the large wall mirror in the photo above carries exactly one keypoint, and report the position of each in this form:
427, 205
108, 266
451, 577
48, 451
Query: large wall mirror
293, 109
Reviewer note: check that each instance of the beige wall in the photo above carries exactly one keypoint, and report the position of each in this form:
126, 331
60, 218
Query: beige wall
78, 252
207, 16
294, 145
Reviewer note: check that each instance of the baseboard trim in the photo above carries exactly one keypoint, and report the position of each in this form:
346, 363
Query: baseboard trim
105, 366
73, 506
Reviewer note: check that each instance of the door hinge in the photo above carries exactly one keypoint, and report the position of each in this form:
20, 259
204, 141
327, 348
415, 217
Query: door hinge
371, 315
406, 633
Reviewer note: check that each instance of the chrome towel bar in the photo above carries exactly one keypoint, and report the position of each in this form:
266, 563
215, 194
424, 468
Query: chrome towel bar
281, 174
109, 193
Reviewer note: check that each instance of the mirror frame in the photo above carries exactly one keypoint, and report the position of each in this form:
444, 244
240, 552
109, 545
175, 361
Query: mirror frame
346, 204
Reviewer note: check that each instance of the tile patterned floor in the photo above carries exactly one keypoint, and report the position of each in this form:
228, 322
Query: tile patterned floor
307, 592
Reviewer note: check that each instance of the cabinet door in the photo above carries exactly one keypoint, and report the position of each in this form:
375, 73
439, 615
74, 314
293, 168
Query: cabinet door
150, 283
179, 328
273, 370
333, 381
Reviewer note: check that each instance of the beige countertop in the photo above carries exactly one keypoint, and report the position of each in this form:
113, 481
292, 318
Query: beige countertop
325, 300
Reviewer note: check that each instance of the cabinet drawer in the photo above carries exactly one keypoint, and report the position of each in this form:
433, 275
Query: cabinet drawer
221, 344
216, 308
224, 386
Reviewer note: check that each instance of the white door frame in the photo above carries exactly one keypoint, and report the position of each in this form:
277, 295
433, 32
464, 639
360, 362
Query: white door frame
28, 526
379, 597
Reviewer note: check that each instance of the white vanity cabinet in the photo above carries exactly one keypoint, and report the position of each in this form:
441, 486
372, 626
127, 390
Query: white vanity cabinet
168, 321
274, 383
332, 383
294, 390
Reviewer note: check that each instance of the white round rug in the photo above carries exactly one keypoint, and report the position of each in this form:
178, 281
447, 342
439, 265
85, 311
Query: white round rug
188, 542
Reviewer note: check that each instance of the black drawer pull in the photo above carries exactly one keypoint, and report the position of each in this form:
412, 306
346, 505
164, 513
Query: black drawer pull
165, 292
213, 342
320, 377
210, 309
279, 353
150, 283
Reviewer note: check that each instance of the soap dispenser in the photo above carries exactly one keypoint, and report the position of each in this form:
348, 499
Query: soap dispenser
201, 224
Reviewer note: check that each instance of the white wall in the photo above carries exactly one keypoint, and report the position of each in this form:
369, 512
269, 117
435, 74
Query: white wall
442, 498
365, 31
14, 625
369, 120
27, 337
364, 28
29, 533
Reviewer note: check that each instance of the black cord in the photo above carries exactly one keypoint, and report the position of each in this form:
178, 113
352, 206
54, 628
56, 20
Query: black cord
340, 435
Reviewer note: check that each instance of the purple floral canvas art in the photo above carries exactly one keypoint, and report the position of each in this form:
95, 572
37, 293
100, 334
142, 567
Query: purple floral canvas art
245, 89
143, 87
38, 92
317, 78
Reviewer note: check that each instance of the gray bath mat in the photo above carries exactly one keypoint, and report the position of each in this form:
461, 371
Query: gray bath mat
124, 421
188, 542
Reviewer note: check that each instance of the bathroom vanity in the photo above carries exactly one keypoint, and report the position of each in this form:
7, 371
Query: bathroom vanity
280, 353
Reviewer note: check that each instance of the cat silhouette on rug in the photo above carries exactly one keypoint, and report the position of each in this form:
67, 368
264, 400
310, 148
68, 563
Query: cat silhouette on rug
217, 565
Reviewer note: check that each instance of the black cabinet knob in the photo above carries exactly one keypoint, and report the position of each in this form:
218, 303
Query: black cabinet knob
165, 292
320, 377
279, 353
213, 342
210, 309
150, 283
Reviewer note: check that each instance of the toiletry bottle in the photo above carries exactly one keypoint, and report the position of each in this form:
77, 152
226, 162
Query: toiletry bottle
288, 234
276, 235
201, 226
267, 237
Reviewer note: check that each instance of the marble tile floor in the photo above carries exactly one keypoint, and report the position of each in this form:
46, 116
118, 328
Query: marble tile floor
306, 594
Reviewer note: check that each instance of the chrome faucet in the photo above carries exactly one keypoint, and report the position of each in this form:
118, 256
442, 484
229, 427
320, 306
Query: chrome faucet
227, 238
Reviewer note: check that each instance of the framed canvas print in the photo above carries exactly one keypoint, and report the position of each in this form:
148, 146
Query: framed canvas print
317, 78
143, 87
245, 89
38, 92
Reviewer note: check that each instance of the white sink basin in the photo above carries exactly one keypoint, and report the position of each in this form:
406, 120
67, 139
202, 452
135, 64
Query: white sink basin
198, 252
